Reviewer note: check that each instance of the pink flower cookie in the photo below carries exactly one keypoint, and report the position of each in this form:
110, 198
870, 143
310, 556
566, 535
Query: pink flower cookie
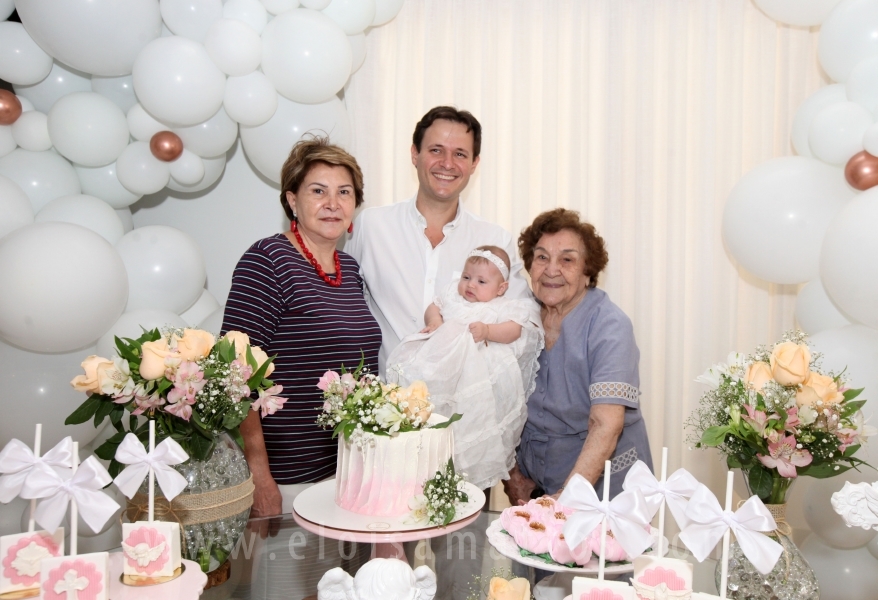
21, 564
535, 537
78, 576
514, 518
613, 551
561, 552
146, 550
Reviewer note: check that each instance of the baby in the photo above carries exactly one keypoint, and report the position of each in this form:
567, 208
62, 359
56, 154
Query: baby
488, 383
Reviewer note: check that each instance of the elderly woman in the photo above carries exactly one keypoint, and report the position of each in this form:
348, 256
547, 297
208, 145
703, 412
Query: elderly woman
299, 298
586, 407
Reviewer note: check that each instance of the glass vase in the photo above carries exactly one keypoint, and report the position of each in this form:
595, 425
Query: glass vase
791, 578
213, 508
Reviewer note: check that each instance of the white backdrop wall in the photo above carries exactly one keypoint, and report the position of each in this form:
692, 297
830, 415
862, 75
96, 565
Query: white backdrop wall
642, 116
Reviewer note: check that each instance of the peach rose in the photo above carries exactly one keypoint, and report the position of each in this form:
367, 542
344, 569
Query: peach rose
260, 357
241, 341
790, 362
513, 589
194, 344
152, 361
419, 405
88, 383
757, 375
818, 390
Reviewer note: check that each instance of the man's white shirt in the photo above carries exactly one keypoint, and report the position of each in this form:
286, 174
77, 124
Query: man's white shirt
403, 272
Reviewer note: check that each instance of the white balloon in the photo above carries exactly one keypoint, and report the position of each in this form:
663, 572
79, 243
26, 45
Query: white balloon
872, 546
126, 218
141, 172
269, 144
191, 18
24, 62
870, 140
143, 125
353, 16
43, 176
188, 168
358, 51
848, 574
101, 37
214, 321
776, 215
165, 268
88, 129
26, 104
7, 7
203, 308
815, 312
277, 7
38, 390
62, 80
80, 290
827, 523
836, 132
233, 46
385, 11
213, 169
15, 207
861, 86
176, 81
250, 100
212, 137
85, 211
31, 131
7, 142
848, 267
315, 4
306, 55
10, 522
803, 13
848, 35
118, 89
103, 183
133, 323
251, 12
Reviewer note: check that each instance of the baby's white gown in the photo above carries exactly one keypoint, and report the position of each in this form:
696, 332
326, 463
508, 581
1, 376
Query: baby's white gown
488, 385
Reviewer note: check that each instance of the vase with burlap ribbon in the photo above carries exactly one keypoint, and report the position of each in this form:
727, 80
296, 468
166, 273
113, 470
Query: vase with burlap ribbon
213, 509
790, 579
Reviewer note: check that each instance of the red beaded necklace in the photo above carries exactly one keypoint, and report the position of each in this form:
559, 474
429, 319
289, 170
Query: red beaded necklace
333, 282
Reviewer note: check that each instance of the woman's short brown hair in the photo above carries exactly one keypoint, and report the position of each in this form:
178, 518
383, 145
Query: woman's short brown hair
558, 219
307, 153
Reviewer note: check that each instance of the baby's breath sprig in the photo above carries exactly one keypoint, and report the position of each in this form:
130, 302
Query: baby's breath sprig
442, 493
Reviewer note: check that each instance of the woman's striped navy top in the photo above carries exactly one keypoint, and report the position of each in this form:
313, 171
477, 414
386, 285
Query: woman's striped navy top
278, 299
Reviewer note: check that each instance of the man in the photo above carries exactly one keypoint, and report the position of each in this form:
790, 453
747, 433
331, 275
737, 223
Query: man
409, 251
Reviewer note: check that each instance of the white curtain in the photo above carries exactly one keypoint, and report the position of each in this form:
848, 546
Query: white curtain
640, 114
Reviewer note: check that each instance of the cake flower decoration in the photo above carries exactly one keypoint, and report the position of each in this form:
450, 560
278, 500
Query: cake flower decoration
132, 453
84, 486
17, 462
627, 516
708, 522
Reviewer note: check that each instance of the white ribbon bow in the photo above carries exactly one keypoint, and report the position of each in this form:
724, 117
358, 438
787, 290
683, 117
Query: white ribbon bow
84, 487
708, 522
17, 461
676, 490
131, 452
627, 516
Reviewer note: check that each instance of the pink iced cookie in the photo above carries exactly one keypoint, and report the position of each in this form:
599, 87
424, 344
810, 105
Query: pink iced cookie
561, 552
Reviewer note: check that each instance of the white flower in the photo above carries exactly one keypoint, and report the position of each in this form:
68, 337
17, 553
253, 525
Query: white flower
418, 514
713, 375
864, 430
389, 417
807, 415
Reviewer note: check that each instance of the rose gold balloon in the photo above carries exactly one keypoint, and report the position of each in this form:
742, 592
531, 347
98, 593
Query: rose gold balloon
10, 107
862, 171
166, 146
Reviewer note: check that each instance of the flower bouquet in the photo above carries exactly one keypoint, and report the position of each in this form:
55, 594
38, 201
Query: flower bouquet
438, 504
193, 386
776, 415
359, 406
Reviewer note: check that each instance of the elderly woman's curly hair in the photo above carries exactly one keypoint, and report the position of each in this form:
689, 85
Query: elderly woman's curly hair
553, 221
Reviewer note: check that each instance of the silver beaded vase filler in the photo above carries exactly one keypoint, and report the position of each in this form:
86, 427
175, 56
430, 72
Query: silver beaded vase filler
214, 507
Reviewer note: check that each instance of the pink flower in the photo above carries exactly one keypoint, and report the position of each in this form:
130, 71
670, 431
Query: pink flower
758, 419
561, 552
535, 537
269, 403
328, 379
613, 551
182, 409
792, 420
145, 401
243, 369
188, 381
348, 383
847, 437
785, 457
514, 518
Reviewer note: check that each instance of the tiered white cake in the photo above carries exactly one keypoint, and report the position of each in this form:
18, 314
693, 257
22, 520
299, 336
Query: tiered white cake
380, 479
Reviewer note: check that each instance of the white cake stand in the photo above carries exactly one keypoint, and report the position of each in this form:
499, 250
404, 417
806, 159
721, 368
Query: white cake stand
316, 511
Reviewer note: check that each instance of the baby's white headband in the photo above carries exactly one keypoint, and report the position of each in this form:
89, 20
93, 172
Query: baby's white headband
496, 260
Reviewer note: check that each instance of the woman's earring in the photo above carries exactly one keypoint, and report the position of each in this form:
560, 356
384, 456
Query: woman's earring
351, 227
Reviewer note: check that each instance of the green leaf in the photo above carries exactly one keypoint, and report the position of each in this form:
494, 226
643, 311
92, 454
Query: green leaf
103, 410
444, 424
733, 462
824, 471
107, 450
259, 373
851, 450
85, 411
849, 408
200, 447
760, 482
714, 436
851, 394
115, 468
236, 435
